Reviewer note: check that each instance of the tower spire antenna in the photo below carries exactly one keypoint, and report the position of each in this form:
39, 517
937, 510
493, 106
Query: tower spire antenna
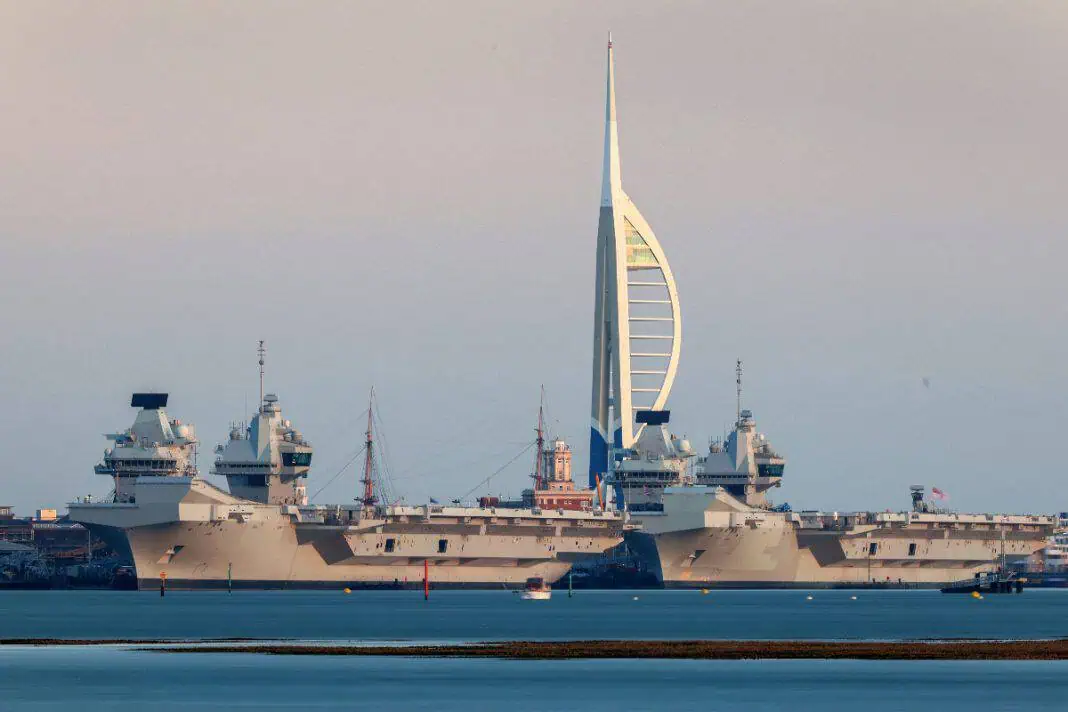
262, 351
611, 183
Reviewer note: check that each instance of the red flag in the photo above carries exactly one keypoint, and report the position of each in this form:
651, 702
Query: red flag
938, 494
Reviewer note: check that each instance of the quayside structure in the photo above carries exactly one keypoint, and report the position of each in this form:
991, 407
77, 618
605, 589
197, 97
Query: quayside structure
637, 330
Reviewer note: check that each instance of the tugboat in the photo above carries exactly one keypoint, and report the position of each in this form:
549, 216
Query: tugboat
537, 590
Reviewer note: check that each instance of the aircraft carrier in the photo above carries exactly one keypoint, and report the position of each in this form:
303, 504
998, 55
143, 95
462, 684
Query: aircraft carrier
705, 522
263, 534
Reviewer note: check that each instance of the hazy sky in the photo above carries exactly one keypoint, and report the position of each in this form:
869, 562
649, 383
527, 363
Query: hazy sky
854, 196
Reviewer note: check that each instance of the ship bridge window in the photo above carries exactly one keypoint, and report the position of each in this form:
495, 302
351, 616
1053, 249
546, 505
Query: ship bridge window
256, 480
443, 545
296, 459
390, 545
770, 470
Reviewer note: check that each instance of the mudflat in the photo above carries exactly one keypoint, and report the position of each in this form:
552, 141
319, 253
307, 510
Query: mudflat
685, 649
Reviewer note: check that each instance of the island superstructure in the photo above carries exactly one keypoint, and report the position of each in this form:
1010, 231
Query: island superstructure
264, 534
706, 520
268, 461
155, 445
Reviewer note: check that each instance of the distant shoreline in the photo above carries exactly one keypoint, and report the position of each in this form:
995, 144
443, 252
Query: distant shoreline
617, 649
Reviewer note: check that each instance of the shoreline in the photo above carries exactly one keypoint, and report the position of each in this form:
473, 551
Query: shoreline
612, 649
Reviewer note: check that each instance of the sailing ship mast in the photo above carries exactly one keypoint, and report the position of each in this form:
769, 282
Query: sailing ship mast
538, 454
369, 498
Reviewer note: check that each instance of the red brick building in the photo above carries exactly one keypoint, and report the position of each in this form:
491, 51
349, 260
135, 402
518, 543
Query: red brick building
558, 489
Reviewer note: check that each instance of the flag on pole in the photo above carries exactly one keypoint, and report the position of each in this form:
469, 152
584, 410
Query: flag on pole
938, 494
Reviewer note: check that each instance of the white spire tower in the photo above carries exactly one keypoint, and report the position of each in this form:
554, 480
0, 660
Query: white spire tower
637, 330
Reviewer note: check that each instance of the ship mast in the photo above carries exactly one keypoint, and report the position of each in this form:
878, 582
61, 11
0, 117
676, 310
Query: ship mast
262, 351
738, 384
538, 474
368, 481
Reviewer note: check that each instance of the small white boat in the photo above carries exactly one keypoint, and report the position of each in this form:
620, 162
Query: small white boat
537, 590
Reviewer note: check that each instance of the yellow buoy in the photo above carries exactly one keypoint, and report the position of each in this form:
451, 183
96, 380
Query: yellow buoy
704, 591
975, 594
348, 590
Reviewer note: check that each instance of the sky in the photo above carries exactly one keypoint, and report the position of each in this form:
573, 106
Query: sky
854, 197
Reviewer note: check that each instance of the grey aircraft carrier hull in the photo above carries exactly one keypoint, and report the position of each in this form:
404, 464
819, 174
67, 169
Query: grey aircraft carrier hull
197, 536
707, 539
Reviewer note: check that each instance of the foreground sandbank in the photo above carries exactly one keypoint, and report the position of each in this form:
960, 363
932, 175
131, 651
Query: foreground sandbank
690, 649
575, 649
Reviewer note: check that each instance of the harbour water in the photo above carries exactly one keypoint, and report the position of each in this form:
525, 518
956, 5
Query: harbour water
102, 678
456, 616
122, 678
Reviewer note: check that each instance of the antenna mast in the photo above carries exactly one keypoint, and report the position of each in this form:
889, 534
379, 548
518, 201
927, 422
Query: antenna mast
538, 474
368, 480
262, 351
738, 383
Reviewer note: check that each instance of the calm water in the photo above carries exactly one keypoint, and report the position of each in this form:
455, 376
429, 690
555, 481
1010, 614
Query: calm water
500, 615
101, 678
117, 678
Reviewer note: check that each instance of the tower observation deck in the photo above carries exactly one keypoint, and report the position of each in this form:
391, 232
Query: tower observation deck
637, 330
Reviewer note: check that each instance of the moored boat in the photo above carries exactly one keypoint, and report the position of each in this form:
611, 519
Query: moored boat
536, 589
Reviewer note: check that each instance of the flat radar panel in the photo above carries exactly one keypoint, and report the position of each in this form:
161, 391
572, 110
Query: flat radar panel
652, 417
149, 401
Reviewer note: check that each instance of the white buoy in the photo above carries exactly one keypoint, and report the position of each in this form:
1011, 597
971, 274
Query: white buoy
852, 598
808, 598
